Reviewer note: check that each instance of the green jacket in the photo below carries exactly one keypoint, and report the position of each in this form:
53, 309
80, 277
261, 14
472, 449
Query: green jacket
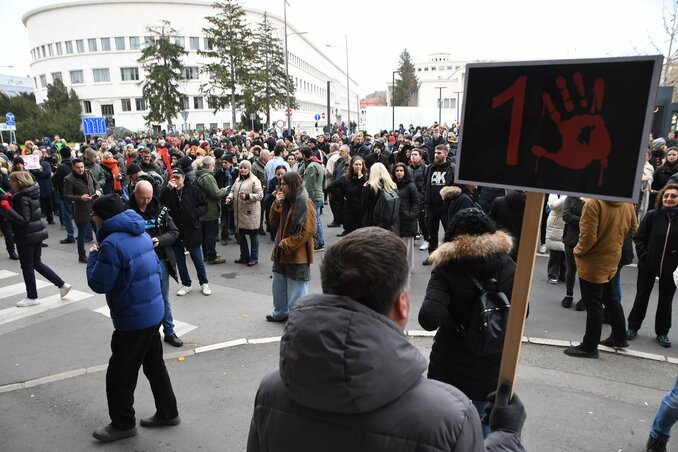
313, 180
212, 194
98, 172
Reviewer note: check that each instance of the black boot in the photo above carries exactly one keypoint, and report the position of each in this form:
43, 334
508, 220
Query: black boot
13, 255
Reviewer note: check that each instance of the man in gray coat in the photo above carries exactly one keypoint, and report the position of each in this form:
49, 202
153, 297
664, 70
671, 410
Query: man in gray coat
349, 379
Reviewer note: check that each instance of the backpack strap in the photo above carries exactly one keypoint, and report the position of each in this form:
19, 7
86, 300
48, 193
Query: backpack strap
475, 282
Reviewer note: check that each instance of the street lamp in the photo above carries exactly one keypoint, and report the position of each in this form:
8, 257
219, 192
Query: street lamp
393, 101
348, 85
440, 102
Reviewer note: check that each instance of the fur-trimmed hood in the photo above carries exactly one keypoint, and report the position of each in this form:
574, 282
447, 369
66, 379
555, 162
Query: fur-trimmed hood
472, 247
449, 193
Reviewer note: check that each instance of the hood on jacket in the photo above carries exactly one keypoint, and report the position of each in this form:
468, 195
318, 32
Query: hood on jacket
128, 221
476, 247
30, 192
516, 199
449, 193
340, 356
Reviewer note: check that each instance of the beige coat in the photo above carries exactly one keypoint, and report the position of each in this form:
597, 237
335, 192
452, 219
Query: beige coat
247, 212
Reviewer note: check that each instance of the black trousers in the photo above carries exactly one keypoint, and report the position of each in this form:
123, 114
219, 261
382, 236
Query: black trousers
596, 296
423, 227
131, 350
570, 270
31, 262
434, 216
337, 208
46, 207
556, 265
7, 231
644, 285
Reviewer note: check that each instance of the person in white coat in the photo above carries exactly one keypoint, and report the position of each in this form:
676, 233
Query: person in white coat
554, 239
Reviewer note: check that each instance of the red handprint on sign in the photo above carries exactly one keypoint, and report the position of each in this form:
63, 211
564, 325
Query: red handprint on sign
585, 138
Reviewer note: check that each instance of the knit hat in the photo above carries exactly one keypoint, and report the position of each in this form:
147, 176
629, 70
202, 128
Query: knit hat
471, 221
245, 164
185, 163
108, 206
657, 142
89, 154
132, 169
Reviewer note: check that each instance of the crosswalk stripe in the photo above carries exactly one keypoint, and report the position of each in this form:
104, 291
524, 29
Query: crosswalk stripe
7, 274
180, 328
16, 289
14, 313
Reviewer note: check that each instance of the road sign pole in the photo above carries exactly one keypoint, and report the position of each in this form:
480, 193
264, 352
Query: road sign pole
329, 122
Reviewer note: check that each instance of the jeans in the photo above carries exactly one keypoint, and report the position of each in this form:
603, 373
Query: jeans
667, 415
66, 216
84, 231
246, 254
196, 257
556, 265
617, 283
595, 296
29, 258
321, 234
480, 407
167, 321
286, 292
210, 229
226, 222
129, 351
644, 285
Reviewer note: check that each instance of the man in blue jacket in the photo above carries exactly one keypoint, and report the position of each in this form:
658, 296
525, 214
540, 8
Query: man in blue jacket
125, 267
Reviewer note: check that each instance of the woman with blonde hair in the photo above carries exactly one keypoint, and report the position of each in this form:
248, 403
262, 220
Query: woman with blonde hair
379, 178
28, 148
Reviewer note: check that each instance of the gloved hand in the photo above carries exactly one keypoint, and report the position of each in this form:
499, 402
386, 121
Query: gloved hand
505, 416
8, 197
4, 204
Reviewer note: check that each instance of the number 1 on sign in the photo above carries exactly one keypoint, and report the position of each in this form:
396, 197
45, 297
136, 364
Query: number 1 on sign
515, 92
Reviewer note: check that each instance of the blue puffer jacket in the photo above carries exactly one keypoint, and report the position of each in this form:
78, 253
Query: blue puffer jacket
127, 270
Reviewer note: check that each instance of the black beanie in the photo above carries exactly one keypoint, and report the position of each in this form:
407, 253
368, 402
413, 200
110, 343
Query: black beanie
108, 206
65, 152
132, 169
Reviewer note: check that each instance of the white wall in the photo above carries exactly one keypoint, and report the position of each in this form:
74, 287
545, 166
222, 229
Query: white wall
375, 119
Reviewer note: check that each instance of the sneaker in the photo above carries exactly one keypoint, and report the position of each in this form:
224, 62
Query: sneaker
63, 290
663, 340
424, 246
252, 263
155, 421
27, 302
13, 256
173, 340
580, 306
614, 343
542, 249
631, 334
553, 281
655, 445
109, 433
320, 249
183, 290
581, 352
205, 289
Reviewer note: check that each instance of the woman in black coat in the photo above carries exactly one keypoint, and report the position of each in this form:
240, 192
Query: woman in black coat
473, 246
662, 175
350, 187
29, 232
410, 203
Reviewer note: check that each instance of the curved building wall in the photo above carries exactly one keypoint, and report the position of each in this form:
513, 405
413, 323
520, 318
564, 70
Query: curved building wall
93, 46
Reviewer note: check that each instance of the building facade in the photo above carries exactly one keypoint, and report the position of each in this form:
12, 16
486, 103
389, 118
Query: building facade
96, 49
11, 85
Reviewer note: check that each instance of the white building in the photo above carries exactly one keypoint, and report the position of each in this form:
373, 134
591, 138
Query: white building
93, 47
12, 85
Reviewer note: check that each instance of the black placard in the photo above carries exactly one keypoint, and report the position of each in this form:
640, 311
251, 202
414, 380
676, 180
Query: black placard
575, 127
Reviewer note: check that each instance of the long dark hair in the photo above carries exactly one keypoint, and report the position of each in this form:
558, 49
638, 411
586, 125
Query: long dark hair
293, 180
406, 178
350, 172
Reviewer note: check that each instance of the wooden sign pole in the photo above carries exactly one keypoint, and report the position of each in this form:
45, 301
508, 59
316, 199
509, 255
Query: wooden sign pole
522, 284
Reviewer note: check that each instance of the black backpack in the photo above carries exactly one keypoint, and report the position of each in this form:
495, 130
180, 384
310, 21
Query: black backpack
386, 209
487, 323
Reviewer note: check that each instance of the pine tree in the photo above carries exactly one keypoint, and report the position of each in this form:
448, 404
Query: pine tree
62, 111
162, 60
268, 89
407, 84
231, 52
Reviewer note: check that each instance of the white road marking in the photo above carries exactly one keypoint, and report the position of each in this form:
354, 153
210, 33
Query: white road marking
16, 289
180, 328
14, 313
7, 274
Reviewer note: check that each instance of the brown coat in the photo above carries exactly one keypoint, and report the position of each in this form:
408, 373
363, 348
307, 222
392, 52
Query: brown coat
247, 212
296, 249
74, 188
602, 229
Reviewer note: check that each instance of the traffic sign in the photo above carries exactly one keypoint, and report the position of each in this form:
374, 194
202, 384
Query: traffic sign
184, 115
288, 112
317, 117
4, 127
280, 123
323, 115
94, 126
11, 121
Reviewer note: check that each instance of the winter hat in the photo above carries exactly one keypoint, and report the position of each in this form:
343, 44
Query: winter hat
132, 169
89, 153
108, 206
65, 152
185, 163
245, 164
471, 221
657, 142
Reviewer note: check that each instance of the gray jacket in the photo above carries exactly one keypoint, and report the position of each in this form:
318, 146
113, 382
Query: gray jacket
350, 380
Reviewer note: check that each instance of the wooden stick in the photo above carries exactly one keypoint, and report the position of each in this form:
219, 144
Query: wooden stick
522, 284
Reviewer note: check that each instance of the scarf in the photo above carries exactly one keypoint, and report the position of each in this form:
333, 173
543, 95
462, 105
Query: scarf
299, 210
112, 165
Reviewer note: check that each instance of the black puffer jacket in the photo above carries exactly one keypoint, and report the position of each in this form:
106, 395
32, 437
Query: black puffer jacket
657, 242
351, 190
571, 216
349, 380
26, 217
449, 298
186, 212
410, 204
456, 200
507, 211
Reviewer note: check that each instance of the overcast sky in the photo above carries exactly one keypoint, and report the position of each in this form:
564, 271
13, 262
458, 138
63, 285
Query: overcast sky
379, 30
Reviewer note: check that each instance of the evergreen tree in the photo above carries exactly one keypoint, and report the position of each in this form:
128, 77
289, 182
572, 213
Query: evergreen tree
231, 52
268, 89
407, 84
161, 59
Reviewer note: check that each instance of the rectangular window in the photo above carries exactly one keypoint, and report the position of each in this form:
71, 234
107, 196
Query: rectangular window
148, 41
92, 44
43, 81
58, 49
87, 106
426, 69
212, 103
35, 80
119, 43
134, 43
44, 53
50, 49
194, 43
80, 45
107, 110
450, 68
77, 77
433, 68
446, 103
208, 44
129, 73
189, 73
453, 103
101, 75
105, 44
126, 104
141, 103
56, 76
180, 41
184, 102
200, 126
69, 47
213, 125
197, 102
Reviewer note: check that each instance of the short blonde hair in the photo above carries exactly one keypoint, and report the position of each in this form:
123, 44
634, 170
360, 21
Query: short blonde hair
22, 179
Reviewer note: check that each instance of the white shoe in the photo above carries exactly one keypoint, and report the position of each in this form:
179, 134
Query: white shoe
424, 246
63, 290
206, 290
27, 302
542, 249
183, 291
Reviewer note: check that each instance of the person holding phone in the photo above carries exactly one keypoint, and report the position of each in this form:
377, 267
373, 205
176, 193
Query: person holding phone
81, 188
